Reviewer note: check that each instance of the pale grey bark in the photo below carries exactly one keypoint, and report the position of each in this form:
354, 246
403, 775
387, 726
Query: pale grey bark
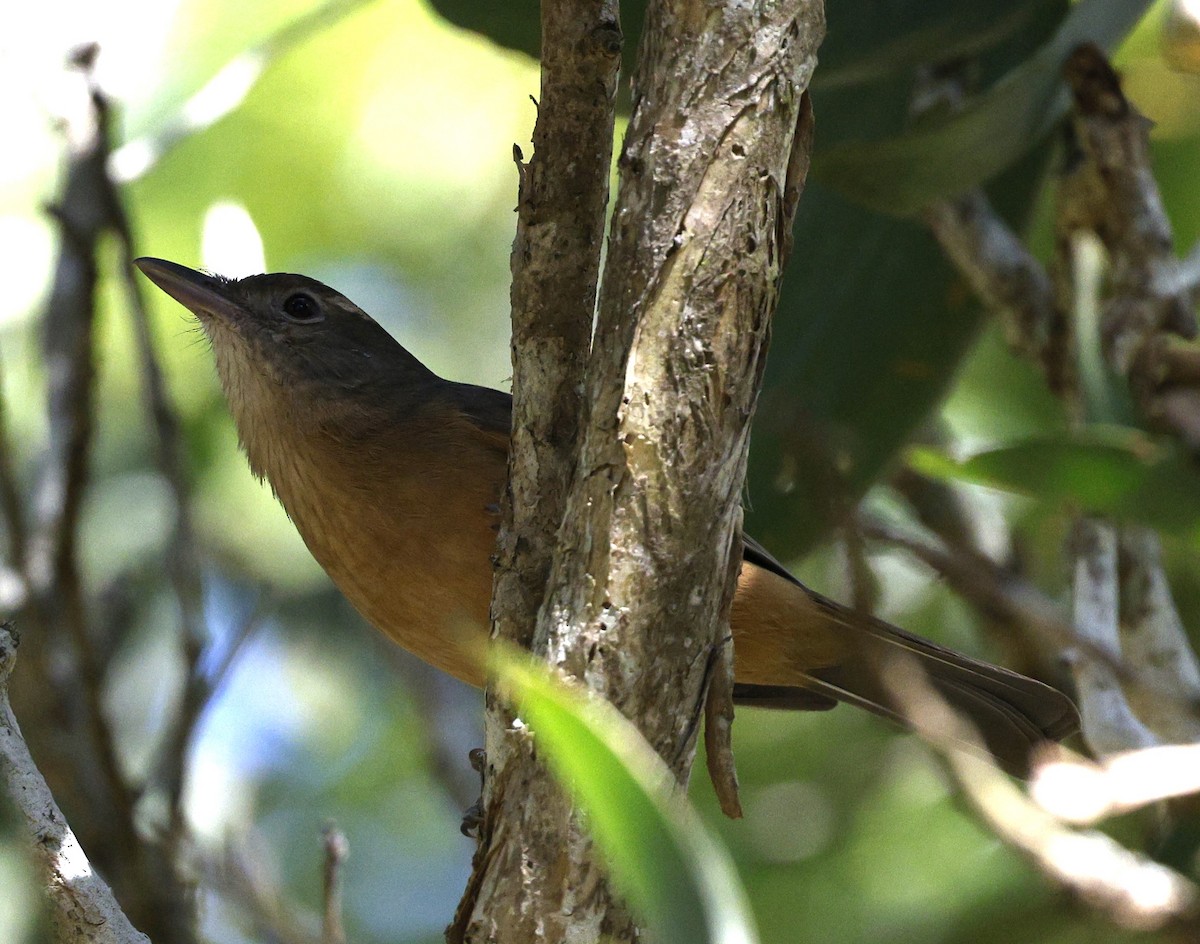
643, 575
82, 905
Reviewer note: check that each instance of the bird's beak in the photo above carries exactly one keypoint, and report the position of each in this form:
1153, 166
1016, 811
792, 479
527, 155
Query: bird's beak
204, 295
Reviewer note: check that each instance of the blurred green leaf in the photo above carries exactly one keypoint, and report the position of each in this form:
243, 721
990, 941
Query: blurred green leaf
872, 322
866, 41
663, 858
946, 156
863, 42
1112, 471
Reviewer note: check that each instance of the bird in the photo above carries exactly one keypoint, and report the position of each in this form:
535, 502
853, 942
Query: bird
393, 476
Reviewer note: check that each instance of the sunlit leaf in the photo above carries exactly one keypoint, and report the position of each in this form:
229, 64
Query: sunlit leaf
662, 857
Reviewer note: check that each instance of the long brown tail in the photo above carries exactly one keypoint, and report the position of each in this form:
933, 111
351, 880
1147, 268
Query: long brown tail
1012, 713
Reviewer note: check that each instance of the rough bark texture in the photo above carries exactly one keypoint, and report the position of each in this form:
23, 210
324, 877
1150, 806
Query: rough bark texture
641, 584
555, 267
555, 264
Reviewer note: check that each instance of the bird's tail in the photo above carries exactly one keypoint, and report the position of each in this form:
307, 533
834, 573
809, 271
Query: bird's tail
1012, 713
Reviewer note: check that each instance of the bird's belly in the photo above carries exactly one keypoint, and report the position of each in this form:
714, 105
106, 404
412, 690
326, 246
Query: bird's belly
420, 573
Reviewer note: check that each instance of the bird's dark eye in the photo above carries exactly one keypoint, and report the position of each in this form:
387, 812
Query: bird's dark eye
301, 307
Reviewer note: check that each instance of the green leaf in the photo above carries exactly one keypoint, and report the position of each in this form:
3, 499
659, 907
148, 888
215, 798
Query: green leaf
944, 157
1112, 471
867, 41
864, 41
872, 323
663, 859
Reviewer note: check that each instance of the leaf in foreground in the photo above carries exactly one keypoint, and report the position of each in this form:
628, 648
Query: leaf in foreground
677, 877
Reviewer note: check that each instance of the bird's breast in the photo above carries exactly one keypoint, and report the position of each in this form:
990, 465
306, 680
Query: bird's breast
407, 536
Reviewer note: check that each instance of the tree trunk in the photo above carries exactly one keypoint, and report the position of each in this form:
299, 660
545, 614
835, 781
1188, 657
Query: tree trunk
641, 583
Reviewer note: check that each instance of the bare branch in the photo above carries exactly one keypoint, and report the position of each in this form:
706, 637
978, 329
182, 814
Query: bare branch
639, 591
85, 211
1007, 279
200, 687
1001, 594
1154, 639
1110, 189
10, 496
562, 195
83, 905
1082, 791
238, 878
1132, 890
67, 665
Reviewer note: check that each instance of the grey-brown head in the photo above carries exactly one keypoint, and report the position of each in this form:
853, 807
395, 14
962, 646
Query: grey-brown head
287, 328
296, 358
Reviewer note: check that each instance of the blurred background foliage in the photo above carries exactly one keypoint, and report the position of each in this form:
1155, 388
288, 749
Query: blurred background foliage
373, 152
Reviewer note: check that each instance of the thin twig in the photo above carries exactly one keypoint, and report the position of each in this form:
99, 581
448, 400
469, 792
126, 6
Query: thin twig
182, 558
1000, 594
10, 494
200, 688
337, 848
237, 878
1132, 890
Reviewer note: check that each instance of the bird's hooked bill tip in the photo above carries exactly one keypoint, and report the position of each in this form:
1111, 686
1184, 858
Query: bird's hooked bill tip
200, 293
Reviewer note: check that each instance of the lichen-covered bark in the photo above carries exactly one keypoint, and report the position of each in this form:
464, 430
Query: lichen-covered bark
647, 554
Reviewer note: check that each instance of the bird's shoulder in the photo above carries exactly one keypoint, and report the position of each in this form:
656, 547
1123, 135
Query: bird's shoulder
483, 410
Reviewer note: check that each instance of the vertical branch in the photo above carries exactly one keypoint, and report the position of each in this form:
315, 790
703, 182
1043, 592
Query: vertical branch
555, 263
1111, 191
336, 850
643, 577
10, 498
1109, 725
563, 193
1154, 639
182, 559
56, 605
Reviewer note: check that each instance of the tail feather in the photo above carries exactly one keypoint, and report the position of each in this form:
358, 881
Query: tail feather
1012, 713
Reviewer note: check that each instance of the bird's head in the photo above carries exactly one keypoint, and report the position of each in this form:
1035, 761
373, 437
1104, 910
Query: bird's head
286, 329
296, 360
